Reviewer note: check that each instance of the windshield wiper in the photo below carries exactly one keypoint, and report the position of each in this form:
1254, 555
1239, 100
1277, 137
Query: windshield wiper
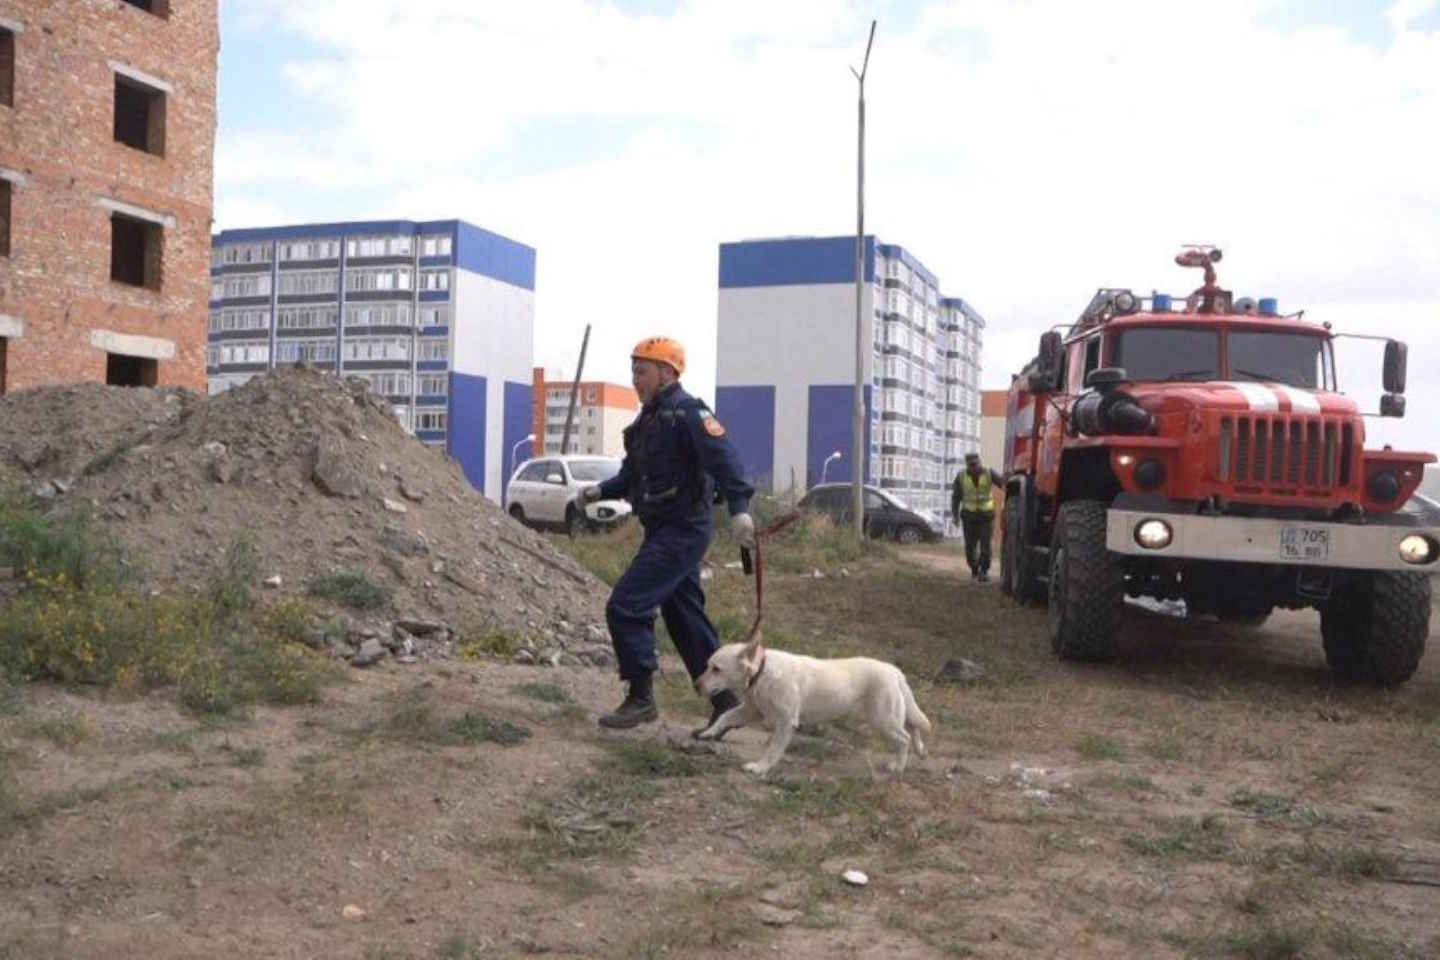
1270, 378
1189, 375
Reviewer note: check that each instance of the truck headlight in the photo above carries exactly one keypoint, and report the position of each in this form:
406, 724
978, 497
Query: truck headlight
1153, 534
1419, 549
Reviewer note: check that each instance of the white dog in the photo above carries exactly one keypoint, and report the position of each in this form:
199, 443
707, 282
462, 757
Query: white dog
780, 691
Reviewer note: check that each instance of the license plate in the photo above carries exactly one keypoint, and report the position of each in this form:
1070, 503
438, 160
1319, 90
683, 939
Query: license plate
1304, 543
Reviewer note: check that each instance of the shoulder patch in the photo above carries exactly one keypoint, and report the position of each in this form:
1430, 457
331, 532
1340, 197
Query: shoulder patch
712, 426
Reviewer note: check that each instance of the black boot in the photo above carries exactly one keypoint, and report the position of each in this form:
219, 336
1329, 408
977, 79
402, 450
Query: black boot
637, 708
720, 704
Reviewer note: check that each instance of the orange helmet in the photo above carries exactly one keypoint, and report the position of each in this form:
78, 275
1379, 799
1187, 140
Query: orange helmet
661, 350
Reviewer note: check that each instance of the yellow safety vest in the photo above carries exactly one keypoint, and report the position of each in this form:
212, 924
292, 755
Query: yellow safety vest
976, 495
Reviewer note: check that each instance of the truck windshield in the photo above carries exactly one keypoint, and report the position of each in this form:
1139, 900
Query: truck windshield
1168, 353
1294, 359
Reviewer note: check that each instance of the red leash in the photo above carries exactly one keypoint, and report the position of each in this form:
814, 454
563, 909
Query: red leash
778, 524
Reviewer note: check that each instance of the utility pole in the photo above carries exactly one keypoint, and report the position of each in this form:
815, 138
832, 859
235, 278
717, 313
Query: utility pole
860, 451
574, 393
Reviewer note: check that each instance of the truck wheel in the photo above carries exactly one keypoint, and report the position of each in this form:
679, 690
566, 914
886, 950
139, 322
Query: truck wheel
1087, 585
1374, 628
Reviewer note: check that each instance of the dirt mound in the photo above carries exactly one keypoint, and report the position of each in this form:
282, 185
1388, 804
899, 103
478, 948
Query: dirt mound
314, 473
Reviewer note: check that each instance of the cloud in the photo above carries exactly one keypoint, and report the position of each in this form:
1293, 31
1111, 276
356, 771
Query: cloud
1027, 153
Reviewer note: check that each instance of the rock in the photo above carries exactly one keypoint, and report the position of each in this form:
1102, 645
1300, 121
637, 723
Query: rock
394, 506
61, 486
523, 656
411, 493
773, 916
960, 670
596, 633
402, 541
222, 470
352, 912
274, 583
214, 448
45, 491
420, 628
330, 474
855, 878
371, 651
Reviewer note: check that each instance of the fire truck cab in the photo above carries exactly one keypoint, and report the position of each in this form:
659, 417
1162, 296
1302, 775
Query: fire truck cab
1200, 449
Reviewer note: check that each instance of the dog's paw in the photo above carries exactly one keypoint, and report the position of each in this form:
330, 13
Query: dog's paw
756, 767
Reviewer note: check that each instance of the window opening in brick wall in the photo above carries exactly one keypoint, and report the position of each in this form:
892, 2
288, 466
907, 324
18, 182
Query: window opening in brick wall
122, 370
139, 116
5, 190
7, 67
135, 248
161, 8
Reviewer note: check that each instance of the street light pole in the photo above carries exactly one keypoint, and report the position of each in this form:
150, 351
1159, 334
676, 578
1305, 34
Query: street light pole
859, 452
515, 450
825, 467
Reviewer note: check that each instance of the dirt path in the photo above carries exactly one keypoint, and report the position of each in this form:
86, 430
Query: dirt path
1211, 795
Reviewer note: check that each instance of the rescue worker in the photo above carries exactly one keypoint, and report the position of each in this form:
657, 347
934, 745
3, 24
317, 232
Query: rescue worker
972, 505
677, 457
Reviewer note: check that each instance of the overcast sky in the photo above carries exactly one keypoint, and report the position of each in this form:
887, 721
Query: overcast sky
1026, 152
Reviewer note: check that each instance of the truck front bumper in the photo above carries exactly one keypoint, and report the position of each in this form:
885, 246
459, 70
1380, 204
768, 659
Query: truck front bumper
1376, 545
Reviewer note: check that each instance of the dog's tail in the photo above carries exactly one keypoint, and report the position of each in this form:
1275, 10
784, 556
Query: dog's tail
914, 717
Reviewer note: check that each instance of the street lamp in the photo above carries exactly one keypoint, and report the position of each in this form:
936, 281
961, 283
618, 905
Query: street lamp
826, 465
515, 450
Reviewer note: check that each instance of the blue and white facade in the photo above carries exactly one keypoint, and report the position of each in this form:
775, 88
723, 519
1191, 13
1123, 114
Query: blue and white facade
786, 367
439, 317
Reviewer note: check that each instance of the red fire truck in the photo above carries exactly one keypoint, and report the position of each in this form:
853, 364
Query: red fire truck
1200, 449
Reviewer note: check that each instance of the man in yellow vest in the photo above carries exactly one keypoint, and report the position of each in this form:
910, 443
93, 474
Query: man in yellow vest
972, 504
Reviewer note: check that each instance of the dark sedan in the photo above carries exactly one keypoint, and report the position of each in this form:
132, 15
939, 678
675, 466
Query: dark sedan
885, 516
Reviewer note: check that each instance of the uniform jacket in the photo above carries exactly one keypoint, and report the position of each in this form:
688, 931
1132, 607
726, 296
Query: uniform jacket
678, 461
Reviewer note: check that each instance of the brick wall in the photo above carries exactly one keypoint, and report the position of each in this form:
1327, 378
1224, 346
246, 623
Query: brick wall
57, 147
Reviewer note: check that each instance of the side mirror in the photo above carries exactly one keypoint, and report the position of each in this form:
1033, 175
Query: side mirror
1052, 359
1106, 379
1392, 404
1396, 354
556, 479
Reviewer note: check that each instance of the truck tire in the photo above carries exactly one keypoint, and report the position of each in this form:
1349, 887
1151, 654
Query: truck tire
1017, 559
1374, 628
1087, 585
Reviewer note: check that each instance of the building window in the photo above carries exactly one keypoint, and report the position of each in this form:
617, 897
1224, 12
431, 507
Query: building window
306, 318
305, 351
7, 67
139, 115
434, 279
383, 279
434, 316
434, 350
5, 191
378, 246
434, 246
240, 285
161, 8
244, 351
387, 384
434, 385
378, 315
245, 253
135, 251
227, 320
308, 282
309, 250
362, 349
431, 420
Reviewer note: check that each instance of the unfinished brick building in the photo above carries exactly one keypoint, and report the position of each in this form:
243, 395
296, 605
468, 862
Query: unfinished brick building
107, 143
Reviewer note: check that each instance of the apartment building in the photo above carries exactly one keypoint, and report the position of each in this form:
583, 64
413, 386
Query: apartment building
786, 367
107, 139
602, 412
437, 316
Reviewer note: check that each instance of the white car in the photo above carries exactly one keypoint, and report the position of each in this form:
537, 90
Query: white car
545, 493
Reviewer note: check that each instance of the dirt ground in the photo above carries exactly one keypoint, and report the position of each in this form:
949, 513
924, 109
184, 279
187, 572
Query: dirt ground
1213, 794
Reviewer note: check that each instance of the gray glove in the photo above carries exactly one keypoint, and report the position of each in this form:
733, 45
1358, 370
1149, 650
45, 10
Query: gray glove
742, 528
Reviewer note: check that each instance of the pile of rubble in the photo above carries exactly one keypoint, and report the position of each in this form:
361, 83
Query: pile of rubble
315, 474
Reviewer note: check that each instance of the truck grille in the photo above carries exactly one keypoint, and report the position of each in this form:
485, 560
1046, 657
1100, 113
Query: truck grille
1288, 456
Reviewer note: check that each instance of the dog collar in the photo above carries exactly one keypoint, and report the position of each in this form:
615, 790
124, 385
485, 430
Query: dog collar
753, 679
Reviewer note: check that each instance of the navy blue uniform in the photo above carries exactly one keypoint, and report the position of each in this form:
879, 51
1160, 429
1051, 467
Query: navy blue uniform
677, 457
